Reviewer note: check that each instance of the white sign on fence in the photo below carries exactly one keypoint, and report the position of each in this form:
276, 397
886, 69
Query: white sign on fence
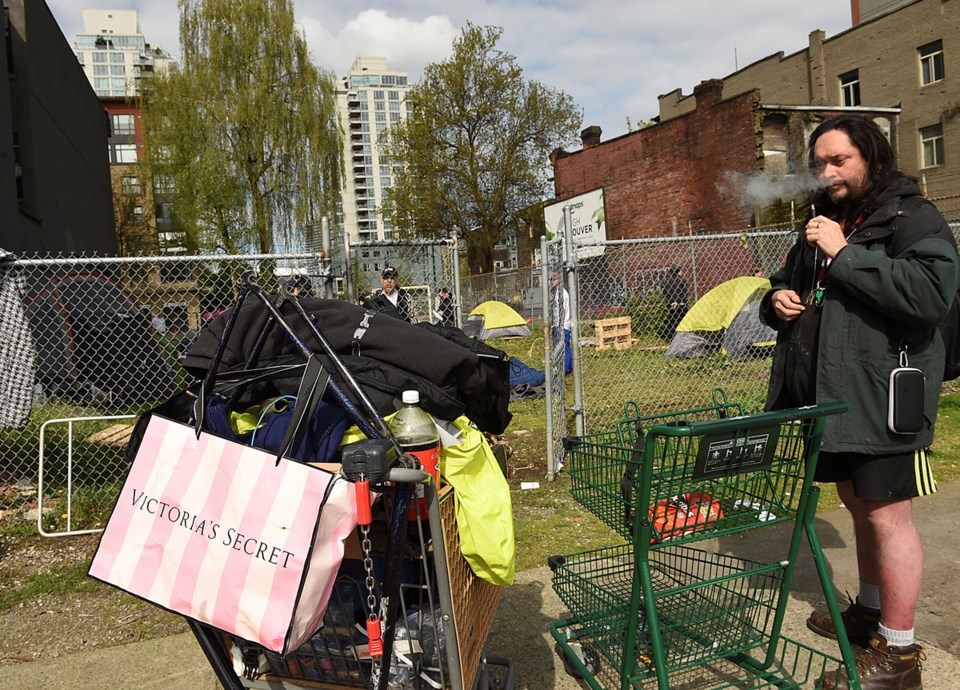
588, 220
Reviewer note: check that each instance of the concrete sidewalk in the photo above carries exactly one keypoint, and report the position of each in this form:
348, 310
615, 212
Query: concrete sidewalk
176, 663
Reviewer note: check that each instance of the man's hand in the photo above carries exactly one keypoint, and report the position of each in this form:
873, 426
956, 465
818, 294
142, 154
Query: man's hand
825, 234
787, 304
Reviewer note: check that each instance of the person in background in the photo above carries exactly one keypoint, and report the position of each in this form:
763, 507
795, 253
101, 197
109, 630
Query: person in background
866, 283
675, 297
391, 298
561, 316
445, 309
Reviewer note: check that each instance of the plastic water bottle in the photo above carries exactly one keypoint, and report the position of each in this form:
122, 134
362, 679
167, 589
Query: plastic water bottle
417, 435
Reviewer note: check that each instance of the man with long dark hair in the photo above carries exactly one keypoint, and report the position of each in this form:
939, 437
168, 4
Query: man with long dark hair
871, 275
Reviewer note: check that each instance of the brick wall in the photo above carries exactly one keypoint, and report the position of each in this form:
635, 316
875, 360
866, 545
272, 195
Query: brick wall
884, 51
665, 179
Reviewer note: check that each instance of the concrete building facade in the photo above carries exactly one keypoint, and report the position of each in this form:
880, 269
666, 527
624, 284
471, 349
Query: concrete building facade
55, 192
114, 54
908, 58
371, 98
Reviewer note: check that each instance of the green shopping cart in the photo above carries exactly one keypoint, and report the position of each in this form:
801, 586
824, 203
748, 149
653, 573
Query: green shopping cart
663, 610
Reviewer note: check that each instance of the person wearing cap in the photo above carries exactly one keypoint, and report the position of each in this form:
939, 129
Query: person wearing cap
675, 297
391, 298
445, 308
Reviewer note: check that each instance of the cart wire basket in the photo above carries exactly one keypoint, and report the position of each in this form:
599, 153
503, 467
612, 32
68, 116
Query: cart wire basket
795, 665
657, 604
697, 473
337, 655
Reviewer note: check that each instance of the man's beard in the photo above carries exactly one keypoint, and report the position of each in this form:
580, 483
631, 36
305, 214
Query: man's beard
851, 197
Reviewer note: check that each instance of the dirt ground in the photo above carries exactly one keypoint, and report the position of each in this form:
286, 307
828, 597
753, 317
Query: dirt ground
90, 616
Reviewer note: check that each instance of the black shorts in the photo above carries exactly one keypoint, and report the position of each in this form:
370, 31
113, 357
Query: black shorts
880, 477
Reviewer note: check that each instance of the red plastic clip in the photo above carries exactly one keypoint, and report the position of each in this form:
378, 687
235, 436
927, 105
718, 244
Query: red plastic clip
373, 635
364, 516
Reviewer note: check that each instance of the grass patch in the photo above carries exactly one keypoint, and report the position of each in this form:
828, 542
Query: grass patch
63, 579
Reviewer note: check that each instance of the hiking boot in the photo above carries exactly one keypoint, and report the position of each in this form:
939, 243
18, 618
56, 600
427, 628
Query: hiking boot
858, 621
881, 667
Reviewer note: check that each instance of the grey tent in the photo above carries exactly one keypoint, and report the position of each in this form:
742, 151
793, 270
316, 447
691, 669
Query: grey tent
727, 320
94, 344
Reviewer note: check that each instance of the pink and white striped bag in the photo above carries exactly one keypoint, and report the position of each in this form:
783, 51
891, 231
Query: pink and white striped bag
221, 533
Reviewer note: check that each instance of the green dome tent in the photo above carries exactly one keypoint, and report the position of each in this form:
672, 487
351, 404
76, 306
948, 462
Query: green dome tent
726, 319
495, 319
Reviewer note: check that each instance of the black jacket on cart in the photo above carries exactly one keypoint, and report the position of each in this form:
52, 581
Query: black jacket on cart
455, 375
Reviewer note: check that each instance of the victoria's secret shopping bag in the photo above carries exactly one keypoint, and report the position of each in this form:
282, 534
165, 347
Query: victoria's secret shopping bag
228, 535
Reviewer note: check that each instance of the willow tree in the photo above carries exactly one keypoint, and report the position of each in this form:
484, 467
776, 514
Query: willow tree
244, 131
473, 152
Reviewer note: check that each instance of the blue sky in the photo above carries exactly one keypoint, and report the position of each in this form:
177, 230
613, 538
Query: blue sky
614, 57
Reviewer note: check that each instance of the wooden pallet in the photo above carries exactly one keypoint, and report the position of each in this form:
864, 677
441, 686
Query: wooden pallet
613, 333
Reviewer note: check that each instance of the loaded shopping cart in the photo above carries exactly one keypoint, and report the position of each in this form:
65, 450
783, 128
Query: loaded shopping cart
347, 574
666, 608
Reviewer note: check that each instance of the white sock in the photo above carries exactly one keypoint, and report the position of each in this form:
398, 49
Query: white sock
897, 638
869, 596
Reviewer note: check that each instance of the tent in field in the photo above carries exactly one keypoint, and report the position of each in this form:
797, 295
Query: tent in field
727, 320
94, 344
495, 319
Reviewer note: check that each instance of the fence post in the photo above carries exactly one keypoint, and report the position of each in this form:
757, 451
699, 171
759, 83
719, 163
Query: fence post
455, 257
547, 357
325, 266
347, 273
570, 268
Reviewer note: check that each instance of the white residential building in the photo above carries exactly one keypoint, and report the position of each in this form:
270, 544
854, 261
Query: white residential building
370, 99
114, 54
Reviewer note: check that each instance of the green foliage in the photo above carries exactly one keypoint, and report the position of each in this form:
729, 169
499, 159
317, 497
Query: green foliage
647, 312
245, 130
475, 148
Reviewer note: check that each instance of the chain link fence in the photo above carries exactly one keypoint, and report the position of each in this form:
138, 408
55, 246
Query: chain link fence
636, 356
635, 350
108, 336
109, 333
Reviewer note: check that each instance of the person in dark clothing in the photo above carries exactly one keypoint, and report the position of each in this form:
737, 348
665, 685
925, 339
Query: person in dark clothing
675, 297
391, 298
446, 313
865, 285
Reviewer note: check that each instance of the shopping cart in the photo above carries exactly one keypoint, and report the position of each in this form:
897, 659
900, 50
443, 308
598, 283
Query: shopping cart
441, 623
406, 610
662, 609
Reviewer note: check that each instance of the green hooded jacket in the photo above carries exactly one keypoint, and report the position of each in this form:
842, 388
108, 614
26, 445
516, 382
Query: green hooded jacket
889, 287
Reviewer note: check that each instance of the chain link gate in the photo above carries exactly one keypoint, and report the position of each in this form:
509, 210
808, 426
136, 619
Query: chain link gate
552, 284
423, 267
108, 336
629, 352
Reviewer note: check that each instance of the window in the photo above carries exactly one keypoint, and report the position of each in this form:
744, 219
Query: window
100, 70
850, 88
118, 70
130, 184
122, 123
931, 144
123, 153
116, 57
99, 57
931, 62
138, 214
162, 184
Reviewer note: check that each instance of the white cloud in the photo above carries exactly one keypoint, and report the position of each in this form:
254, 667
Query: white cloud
613, 57
407, 44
